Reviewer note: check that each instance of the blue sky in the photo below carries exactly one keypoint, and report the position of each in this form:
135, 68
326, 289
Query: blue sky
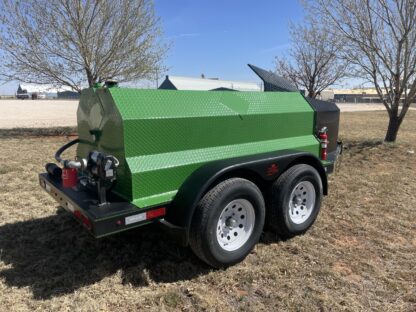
218, 38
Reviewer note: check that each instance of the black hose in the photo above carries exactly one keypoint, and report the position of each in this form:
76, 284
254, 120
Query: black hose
62, 149
53, 170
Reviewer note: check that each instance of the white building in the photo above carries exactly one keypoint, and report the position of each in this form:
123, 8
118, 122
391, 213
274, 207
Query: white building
205, 84
27, 90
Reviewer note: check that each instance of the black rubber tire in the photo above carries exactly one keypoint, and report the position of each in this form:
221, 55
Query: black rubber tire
203, 240
278, 219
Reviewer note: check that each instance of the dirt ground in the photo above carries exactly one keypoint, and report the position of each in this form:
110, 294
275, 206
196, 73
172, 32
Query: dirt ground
363, 107
37, 113
359, 255
63, 113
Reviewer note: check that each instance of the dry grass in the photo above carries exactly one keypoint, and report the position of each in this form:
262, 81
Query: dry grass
359, 256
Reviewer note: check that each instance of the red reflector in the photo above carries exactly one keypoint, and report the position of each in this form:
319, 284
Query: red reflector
69, 177
272, 170
160, 212
85, 221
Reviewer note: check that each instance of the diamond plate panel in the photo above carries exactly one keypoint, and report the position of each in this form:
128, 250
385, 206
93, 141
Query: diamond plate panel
162, 136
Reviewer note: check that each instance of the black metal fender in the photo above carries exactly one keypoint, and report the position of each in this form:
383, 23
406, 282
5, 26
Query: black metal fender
261, 169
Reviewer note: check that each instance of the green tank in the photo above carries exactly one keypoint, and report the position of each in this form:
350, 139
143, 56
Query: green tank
161, 137
211, 167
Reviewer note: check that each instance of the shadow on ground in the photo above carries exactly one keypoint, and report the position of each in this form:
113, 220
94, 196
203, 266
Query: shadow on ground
362, 146
38, 132
55, 255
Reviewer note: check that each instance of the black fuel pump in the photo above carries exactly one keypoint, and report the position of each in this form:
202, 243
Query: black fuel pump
103, 169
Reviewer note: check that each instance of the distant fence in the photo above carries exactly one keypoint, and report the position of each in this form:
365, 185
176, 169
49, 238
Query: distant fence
357, 99
68, 95
61, 97
7, 97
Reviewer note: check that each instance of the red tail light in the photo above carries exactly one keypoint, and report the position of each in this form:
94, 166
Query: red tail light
151, 214
323, 137
85, 221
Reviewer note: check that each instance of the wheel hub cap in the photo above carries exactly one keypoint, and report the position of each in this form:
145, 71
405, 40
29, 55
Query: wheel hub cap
231, 223
297, 200
302, 202
235, 224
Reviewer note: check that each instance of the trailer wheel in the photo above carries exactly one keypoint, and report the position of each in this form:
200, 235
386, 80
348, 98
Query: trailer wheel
227, 222
294, 201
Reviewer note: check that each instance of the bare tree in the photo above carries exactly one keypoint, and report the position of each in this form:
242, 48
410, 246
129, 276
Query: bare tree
380, 41
313, 62
71, 42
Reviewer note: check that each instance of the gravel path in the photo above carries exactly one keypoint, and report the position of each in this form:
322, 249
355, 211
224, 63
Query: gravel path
360, 107
37, 113
62, 113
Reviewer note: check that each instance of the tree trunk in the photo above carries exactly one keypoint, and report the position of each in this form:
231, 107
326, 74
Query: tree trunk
393, 129
311, 94
89, 77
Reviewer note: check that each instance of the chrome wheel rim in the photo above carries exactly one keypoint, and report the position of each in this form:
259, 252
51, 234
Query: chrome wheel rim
302, 202
235, 224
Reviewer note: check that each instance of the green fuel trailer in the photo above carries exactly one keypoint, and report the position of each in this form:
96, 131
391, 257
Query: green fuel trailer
211, 166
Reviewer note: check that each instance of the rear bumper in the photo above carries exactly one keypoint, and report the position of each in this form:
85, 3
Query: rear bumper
100, 220
333, 156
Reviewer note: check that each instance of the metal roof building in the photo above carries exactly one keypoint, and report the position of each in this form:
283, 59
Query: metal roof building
47, 90
41, 88
270, 82
189, 83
